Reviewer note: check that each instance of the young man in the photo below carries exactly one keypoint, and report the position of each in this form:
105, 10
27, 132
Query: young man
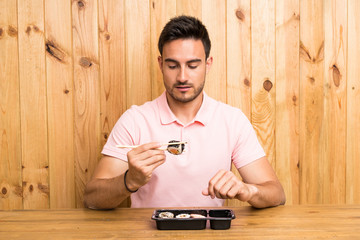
216, 135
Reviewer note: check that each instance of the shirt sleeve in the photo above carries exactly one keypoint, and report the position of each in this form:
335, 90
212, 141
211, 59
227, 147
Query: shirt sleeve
247, 148
123, 133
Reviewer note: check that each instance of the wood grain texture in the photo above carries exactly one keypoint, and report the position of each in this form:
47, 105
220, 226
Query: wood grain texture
137, 37
33, 104
284, 222
112, 66
238, 63
160, 13
87, 93
69, 69
263, 74
189, 7
238, 55
112, 63
311, 101
59, 69
335, 79
287, 97
214, 18
10, 142
353, 109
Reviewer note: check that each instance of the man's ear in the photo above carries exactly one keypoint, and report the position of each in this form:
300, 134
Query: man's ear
209, 62
160, 63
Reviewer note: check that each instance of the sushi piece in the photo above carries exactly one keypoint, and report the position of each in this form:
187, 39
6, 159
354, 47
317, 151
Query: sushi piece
166, 215
176, 147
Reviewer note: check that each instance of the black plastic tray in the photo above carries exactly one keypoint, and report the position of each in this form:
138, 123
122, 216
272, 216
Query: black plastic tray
219, 219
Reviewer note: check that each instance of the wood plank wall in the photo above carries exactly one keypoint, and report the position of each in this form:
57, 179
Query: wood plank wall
69, 69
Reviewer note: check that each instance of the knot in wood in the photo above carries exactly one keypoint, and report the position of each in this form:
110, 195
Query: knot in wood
36, 28
336, 75
85, 62
1, 32
43, 188
28, 30
4, 190
12, 31
55, 51
81, 4
312, 80
240, 15
247, 82
267, 85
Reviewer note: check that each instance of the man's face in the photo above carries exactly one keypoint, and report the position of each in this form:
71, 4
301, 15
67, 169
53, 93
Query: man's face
184, 68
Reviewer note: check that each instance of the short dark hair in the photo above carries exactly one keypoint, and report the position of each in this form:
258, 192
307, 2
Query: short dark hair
185, 27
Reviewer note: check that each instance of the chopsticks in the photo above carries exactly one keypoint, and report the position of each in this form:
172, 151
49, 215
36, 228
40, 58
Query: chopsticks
163, 144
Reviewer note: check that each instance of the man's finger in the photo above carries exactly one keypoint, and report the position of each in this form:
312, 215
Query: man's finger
147, 146
152, 156
229, 189
205, 192
214, 181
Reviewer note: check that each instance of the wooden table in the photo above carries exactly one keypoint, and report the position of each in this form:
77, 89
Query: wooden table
284, 222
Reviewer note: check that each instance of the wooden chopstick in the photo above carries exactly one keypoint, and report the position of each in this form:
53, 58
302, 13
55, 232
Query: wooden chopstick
163, 144
126, 146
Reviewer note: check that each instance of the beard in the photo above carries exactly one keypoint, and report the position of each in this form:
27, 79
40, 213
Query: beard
183, 98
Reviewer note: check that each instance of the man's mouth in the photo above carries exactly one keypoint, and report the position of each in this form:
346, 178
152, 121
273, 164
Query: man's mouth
183, 88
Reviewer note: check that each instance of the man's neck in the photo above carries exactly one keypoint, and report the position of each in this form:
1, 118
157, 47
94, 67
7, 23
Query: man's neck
185, 112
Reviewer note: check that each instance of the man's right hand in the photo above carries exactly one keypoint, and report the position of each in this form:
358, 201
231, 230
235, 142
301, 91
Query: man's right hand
142, 162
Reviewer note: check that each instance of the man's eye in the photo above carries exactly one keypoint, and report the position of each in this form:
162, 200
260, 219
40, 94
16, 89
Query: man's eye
193, 66
172, 66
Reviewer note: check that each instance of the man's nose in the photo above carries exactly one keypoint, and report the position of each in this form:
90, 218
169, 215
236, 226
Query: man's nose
182, 75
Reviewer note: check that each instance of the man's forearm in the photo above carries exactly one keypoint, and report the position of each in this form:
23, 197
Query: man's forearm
105, 193
269, 194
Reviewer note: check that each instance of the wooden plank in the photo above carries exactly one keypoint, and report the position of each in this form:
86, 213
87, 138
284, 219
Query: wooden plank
238, 58
112, 66
59, 66
287, 97
87, 97
214, 18
33, 104
160, 12
334, 187
137, 52
112, 63
189, 7
263, 74
311, 101
238, 63
10, 142
353, 109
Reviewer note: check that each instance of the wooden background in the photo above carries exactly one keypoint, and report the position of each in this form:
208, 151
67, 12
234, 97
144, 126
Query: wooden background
69, 69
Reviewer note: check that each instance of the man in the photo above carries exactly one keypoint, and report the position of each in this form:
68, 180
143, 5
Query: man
216, 135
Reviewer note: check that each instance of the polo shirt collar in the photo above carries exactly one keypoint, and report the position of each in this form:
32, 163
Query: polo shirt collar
167, 116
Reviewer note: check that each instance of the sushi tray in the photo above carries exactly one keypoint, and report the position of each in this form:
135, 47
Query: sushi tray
192, 219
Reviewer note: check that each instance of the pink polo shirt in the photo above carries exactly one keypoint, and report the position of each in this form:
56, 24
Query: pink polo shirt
218, 135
